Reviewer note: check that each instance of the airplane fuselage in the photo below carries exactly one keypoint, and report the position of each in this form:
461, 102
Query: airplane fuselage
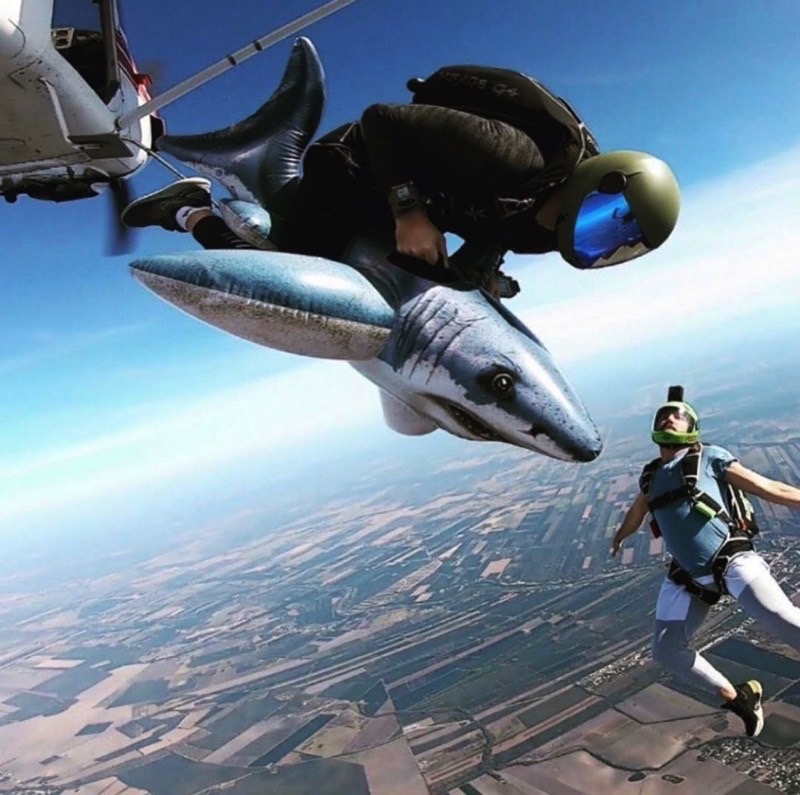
62, 90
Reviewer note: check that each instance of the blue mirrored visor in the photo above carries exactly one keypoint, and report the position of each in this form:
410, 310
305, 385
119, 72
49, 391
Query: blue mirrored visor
606, 231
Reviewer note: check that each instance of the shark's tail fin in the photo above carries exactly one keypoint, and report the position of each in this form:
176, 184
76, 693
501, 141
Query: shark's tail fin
258, 157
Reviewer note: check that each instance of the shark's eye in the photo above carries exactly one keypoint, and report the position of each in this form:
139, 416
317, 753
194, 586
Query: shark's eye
503, 384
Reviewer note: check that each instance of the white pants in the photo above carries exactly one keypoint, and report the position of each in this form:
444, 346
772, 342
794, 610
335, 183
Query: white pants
679, 616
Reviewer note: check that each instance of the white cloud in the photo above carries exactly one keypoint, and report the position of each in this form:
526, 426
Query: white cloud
734, 253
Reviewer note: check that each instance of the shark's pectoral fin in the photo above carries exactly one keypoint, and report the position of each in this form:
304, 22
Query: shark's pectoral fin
255, 158
304, 305
403, 419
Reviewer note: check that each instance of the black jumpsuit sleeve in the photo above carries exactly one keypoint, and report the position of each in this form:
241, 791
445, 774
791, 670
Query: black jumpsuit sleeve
447, 150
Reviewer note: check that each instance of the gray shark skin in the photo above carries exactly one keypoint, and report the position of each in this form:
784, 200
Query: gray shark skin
303, 305
450, 346
443, 355
257, 157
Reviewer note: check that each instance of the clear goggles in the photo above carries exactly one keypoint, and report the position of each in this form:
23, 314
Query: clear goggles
606, 231
674, 412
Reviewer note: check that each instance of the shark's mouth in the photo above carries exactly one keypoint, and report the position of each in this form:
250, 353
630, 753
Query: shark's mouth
472, 425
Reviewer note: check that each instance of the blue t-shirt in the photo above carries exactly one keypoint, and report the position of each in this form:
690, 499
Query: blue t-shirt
690, 536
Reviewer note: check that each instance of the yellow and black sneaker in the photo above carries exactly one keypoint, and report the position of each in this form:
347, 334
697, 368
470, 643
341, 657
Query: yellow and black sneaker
747, 705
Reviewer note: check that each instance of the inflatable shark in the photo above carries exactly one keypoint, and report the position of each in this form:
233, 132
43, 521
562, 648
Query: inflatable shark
443, 355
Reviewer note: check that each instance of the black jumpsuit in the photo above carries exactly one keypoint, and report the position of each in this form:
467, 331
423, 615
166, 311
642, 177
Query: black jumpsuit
484, 179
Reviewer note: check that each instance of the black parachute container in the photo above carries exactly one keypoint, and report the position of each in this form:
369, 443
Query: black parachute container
510, 96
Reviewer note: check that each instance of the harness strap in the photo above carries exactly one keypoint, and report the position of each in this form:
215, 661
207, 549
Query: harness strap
701, 501
734, 546
737, 543
710, 507
690, 468
668, 497
690, 472
681, 577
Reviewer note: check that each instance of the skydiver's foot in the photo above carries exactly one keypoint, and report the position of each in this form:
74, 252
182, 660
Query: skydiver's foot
161, 207
747, 705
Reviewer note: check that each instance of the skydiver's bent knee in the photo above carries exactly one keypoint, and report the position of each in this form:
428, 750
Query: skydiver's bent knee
671, 648
671, 639
671, 651
678, 617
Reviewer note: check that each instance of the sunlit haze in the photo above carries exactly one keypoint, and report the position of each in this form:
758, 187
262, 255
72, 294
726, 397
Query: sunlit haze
110, 397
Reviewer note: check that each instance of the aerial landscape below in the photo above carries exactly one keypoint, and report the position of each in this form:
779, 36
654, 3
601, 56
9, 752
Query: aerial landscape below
461, 631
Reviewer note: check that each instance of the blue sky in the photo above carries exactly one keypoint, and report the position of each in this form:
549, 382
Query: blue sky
109, 397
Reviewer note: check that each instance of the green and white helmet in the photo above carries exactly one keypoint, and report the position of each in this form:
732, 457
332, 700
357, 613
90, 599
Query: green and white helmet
683, 410
615, 207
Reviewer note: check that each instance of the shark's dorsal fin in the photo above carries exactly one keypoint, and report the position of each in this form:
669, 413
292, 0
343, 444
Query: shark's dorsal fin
256, 158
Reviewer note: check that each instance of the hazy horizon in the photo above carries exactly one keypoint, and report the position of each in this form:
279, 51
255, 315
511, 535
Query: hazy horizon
111, 397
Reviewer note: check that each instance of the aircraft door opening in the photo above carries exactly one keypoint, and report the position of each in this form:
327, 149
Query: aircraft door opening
84, 34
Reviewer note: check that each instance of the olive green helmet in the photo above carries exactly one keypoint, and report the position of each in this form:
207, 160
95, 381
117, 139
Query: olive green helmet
616, 206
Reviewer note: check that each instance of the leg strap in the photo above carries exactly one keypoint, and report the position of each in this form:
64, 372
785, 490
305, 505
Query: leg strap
680, 577
727, 552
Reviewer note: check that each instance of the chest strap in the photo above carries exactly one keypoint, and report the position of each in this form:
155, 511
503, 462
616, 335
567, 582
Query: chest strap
701, 501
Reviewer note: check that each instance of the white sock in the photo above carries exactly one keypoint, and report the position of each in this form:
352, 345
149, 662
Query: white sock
183, 215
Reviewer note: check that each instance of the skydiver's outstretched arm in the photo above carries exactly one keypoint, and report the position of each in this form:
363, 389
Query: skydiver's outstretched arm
631, 523
760, 486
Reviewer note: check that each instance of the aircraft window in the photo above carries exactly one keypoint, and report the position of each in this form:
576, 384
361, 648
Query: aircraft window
81, 14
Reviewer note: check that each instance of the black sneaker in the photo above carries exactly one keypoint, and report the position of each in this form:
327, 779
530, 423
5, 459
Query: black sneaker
747, 705
159, 208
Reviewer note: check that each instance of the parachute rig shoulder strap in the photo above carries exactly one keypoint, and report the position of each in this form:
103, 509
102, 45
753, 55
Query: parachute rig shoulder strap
740, 520
741, 515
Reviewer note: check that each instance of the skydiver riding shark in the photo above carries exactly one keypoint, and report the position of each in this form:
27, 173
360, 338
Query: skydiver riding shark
350, 261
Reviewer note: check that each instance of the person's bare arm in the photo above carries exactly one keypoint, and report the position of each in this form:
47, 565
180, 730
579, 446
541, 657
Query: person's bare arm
631, 523
760, 486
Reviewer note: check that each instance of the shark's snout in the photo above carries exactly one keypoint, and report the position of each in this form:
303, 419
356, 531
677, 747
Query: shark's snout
577, 440
564, 429
582, 445
589, 452
481, 374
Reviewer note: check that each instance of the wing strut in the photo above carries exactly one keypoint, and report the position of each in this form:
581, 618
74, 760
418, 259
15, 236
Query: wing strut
229, 61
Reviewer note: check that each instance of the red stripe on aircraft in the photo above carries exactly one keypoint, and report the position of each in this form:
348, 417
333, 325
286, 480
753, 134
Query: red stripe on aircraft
128, 66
